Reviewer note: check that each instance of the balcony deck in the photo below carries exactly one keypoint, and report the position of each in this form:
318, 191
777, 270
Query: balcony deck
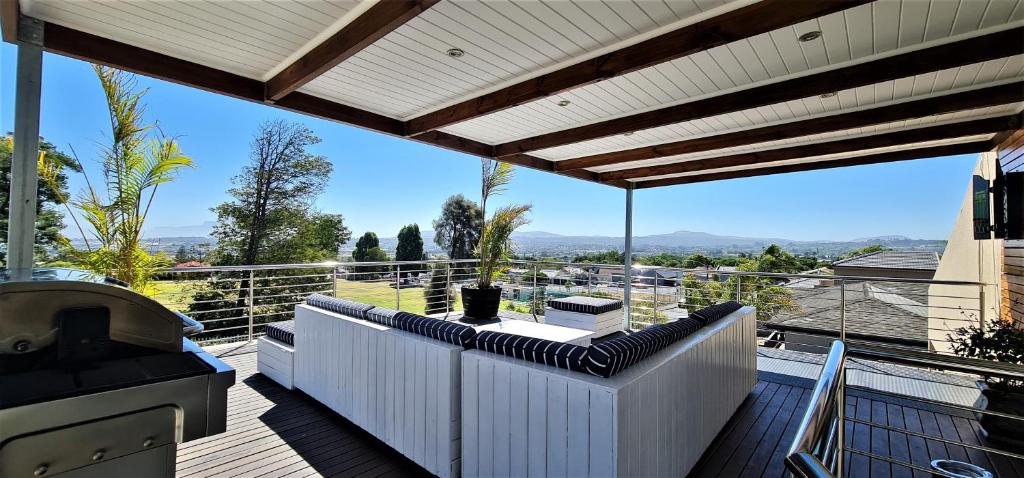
273, 432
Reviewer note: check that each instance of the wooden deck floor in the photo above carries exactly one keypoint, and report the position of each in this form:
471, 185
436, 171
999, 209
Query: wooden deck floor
273, 432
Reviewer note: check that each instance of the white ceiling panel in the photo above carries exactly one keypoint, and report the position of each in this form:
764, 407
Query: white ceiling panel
248, 38
877, 29
408, 73
829, 157
979, 113
980, 75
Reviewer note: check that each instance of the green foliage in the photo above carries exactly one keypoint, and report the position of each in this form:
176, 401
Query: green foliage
457, 230
270, 218
138, 160
494, 178
438, 292
863, 250
606, 257
496, 244
364, 244
51, 194
182, 255
410, 244
1001, 341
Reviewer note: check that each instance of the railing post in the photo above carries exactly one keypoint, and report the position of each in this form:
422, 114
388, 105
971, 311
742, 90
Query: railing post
840, 429
739, 288
398, 287
448, 288
334, 280
654, 316
252, 302
981, 307
590, 282
842, 310
533, 292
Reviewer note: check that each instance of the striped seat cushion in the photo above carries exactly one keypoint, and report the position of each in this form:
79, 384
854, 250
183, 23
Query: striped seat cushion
715, 312
383, 316
556, 354
282, 331
437, 329
585, 305
341, 306
610, 357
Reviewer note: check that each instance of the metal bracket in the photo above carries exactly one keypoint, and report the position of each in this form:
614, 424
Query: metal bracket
30, 31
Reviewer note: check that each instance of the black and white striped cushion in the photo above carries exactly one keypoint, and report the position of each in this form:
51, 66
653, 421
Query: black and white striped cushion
613, 356
383, 316
437, 329
341, 306
715, 312
555, 354
585, 305
282, 331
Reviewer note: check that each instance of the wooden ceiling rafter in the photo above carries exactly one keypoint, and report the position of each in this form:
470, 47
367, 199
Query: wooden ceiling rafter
991, 46
744, 22
904, 155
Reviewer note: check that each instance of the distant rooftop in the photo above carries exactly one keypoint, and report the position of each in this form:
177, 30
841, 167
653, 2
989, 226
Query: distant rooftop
918, 260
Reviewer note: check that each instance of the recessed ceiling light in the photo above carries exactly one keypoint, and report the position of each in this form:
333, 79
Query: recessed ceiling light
810, 36
628, 133
828, 95
455, 52
564, 103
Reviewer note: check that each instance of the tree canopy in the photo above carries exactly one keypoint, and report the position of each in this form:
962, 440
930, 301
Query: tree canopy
270, 218
410, 244
364, 245
52, 193
458, 228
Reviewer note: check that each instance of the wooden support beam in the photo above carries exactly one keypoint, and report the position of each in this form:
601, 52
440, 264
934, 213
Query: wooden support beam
374, 24
10, 12
745, 22
967, 100
896, 138
906, 155
964, 52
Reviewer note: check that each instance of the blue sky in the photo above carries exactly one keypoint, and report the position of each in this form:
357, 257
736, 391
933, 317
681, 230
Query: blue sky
380, 183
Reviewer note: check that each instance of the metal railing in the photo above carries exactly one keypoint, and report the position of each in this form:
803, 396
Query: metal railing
818, 448
801, 312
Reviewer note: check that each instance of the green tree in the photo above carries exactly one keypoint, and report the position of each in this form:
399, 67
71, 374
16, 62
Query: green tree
52, 194
182, 255
607, 257
438, 292
364, 244
270, 218
138, 160
863, 250
458, 228
410, 244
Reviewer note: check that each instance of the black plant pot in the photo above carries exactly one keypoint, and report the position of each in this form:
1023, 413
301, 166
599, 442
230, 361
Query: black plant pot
480, 305
1000, 432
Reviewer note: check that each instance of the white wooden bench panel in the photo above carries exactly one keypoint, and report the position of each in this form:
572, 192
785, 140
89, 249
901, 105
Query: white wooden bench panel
401, 387
275, 360
655, 418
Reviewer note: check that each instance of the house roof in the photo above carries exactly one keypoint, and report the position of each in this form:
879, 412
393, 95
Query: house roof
625, 93
917, 260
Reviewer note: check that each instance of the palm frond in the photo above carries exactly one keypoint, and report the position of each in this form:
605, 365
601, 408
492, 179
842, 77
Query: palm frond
496, 240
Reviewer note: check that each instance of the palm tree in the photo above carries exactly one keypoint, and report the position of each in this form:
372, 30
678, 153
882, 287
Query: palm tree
139, 159
494, 177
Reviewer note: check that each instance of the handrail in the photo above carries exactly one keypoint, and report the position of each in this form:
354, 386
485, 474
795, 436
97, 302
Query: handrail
817, 449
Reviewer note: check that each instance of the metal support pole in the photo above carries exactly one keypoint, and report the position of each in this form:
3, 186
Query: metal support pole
252, 302
398, 287
533, 293
590, 282
981, 307
654, 316
21, 227
627, 256
739, 288
448, 289
842, 310
334, 280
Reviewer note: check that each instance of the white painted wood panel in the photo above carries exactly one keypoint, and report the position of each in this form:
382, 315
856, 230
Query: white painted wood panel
275, 360
395, 385
653, 419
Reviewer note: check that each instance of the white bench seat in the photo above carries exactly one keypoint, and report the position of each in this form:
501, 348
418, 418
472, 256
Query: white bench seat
276, 361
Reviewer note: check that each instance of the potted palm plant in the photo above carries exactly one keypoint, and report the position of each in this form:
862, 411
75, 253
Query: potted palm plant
1001, 341
480, 301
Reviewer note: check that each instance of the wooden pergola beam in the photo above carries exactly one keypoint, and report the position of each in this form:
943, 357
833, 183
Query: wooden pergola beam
967, 100
896, 138
964, 52
906, 155
10, 12
744, 22
374, 24
84, 46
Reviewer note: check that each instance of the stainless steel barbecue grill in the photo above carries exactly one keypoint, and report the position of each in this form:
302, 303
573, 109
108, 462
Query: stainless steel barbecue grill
97, 380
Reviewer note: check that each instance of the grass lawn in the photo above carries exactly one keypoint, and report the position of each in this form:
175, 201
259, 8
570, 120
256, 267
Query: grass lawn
382, 294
